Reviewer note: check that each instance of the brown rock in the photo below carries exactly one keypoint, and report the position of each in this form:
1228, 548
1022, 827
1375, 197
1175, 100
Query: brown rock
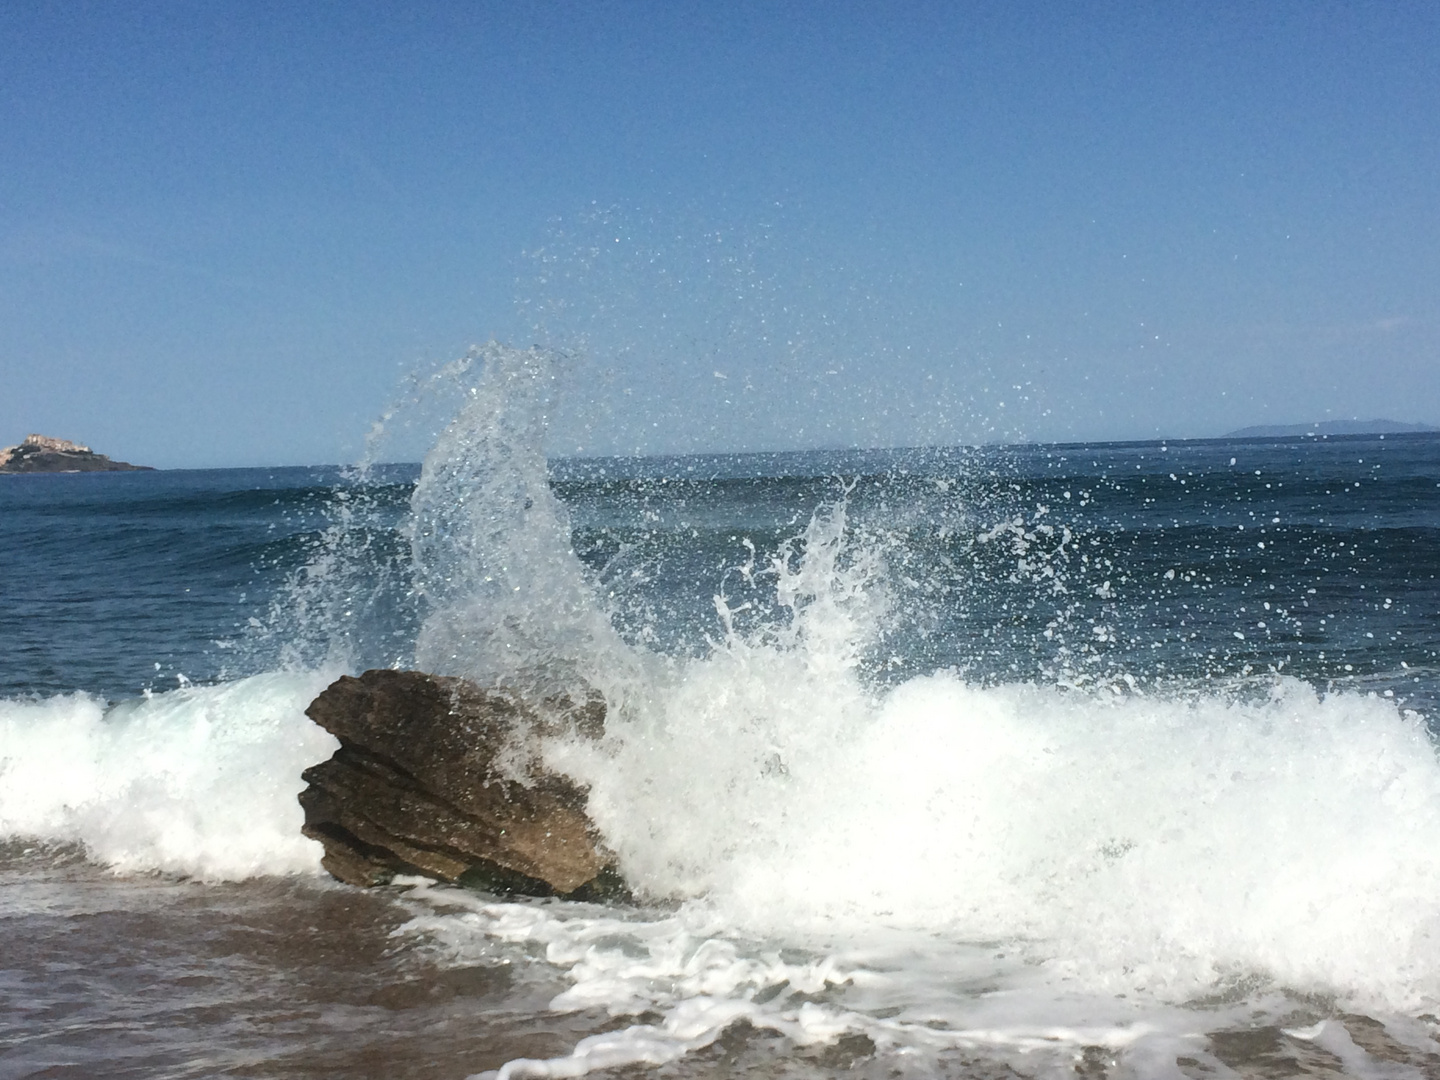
438, 777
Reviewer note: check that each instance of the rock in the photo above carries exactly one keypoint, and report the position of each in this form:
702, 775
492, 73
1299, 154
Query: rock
438, 777
42, 454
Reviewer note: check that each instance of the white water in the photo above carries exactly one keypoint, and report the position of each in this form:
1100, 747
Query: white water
1015, 870
1133, 844
1136, 845
199, 781
490, 542
1011, 868
956, 866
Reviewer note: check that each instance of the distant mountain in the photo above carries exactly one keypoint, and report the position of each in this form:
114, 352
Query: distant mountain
1329, 427
42, 454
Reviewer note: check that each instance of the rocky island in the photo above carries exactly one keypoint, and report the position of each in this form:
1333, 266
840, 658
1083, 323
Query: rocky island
42, 454
1326, 428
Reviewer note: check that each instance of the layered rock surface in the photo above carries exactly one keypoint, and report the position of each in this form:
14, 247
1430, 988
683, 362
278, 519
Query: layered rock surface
43, 454
439, 777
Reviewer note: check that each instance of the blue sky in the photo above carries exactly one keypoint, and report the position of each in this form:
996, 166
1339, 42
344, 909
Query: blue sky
229, 231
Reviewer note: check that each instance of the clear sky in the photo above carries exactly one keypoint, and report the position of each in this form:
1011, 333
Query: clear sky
229, 230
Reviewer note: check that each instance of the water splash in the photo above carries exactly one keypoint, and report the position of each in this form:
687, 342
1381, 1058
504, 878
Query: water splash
506, 599
1169, 844
199, 781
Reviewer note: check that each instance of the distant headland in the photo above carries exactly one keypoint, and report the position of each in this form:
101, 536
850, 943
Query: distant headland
1330, 427
42, 454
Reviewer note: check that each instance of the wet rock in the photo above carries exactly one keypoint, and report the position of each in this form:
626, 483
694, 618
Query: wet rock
439, 777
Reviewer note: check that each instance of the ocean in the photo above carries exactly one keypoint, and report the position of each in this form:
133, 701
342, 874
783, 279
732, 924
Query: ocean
1040, 760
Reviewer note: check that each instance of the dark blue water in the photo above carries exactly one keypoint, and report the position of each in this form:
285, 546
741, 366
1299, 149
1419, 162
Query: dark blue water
1126, 565
121, 581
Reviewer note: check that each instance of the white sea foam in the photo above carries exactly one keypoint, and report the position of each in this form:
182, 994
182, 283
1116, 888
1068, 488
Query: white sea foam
1137, 844
198, 781
922, 1001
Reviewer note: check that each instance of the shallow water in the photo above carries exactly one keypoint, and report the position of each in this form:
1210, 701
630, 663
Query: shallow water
150, 976
157, 977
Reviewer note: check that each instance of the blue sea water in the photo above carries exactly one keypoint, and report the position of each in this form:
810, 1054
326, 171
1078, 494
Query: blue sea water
1112, 758
1181, 561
